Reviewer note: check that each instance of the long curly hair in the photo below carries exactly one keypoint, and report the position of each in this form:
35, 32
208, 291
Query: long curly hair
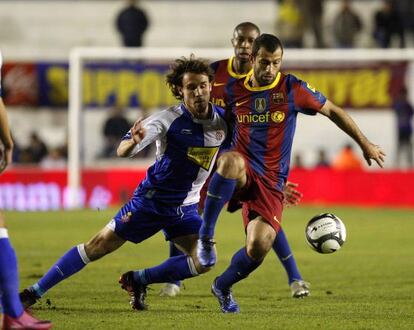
183, 65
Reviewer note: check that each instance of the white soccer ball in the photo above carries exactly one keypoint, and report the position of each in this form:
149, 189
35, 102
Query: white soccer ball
325, 233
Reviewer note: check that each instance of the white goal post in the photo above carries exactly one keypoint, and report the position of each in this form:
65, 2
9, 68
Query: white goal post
79, 56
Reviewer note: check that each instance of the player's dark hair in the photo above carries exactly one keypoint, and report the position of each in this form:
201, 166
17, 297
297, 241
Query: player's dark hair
247, 25
267, 41
183, 65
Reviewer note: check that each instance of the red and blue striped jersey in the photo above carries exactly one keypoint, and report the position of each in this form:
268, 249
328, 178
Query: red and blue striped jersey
265, 122
223, 76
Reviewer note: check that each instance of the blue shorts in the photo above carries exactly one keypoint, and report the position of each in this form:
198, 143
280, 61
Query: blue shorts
138, 220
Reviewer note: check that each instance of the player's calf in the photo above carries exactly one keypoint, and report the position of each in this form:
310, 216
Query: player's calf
103, 243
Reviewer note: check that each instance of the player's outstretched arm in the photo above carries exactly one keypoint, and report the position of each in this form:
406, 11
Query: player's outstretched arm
292, 195
346, 123
5, 137
137, 134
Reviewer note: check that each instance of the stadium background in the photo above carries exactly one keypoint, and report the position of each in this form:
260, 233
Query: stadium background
366, 285
39, 35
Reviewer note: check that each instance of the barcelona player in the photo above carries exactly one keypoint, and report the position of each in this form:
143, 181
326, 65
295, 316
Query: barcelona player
236, 67
265, 105
188, 137
227, 71
15, 317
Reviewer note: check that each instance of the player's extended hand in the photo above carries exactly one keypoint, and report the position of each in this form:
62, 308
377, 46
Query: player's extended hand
292, 195
137, 131
373, 152
6, 158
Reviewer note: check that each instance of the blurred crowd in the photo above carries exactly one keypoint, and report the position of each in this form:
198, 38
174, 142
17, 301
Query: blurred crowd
392, 24
37, 152
345, 160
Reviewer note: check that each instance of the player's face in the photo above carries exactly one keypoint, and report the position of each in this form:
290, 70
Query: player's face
242, 42
266, 66
196, 94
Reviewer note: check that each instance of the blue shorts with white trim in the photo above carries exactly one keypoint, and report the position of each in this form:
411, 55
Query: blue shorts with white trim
140, 219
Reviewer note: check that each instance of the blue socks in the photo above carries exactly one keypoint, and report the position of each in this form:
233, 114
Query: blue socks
282, 249
219, 193
174, 252
171, 270
70, 263
240, 267
9, 278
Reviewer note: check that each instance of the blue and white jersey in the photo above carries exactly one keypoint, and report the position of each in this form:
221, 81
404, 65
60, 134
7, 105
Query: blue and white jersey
187, 149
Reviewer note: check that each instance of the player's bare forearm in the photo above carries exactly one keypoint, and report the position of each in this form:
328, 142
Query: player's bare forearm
347, 124
5, 135
137, 134
125, 148
344, 122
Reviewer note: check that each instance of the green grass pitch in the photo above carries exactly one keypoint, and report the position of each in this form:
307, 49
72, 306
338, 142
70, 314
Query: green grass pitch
368, 284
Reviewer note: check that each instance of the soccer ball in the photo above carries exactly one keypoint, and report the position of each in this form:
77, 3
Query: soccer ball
325, 233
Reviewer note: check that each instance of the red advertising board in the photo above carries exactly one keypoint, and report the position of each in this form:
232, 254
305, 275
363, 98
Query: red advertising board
25, 189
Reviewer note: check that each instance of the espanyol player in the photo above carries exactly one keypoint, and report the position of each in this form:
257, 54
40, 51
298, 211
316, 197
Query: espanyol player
188, 137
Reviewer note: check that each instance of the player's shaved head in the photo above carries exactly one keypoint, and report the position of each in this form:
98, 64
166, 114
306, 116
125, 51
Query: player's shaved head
244, 35
246, 26
267, 41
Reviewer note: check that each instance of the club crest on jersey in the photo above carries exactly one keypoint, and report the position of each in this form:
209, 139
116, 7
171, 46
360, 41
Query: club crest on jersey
278, 116
219, 135
260, 104
278, 98
202, 156
126, 217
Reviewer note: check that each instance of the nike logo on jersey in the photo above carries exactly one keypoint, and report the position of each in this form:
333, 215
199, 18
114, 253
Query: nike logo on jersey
216, 84
240, 103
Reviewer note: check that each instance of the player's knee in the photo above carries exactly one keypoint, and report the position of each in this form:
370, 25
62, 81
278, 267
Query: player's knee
257, 248
231, 165
96, 248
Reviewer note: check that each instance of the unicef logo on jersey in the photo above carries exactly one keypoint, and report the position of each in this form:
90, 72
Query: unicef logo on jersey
275, 117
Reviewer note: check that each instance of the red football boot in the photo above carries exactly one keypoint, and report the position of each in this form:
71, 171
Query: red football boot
26, 322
